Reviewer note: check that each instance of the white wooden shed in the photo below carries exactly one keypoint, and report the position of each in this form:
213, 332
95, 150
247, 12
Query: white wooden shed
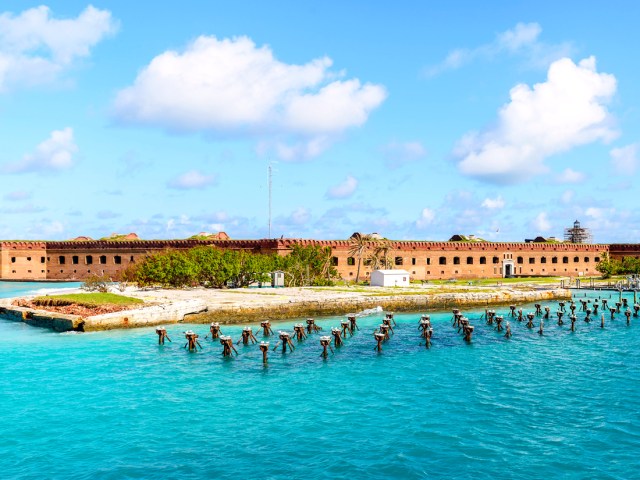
389, 278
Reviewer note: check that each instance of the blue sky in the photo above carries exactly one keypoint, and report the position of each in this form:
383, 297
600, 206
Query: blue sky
416, 120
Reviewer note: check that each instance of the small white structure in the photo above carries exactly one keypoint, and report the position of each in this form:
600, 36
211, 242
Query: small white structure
277, 278
389, 278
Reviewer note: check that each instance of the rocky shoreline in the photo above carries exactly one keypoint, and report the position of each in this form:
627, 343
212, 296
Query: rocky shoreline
252, 305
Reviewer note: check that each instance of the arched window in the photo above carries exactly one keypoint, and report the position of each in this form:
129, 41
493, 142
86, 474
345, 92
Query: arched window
103, 259
543, 260
520, 260
456, 260
554, 260
89, 259
442, 260
576, 259
334, 261
565, 259
398, 260
532, 260
496, 260
351, 261
469, 260
586, 259
117, 259
483, 260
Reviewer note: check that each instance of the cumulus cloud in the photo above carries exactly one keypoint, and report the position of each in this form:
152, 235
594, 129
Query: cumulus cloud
54, 154
569, 175
541, 223
625, 159
427, 216
192, 180
567, 110
300, 150
523, 40
233, 87
397, 154
36, 48
344, 189
493, 203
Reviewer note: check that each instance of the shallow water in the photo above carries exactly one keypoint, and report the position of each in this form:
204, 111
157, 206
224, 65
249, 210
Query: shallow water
116, 405
17, 289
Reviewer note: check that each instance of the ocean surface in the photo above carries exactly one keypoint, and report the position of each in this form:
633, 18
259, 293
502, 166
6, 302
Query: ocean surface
114, 405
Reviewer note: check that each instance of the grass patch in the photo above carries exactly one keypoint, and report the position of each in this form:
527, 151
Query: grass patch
90, 300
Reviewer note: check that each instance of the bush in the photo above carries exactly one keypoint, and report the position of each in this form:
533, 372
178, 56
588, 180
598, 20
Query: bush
96, 283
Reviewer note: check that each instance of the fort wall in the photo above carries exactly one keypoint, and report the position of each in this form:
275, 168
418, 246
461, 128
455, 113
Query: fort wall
77, 260
23, 260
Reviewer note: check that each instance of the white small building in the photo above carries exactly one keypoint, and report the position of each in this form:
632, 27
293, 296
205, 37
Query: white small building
389, 278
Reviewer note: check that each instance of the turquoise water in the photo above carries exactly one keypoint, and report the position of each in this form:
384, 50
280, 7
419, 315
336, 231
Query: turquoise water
16, 289
116, 405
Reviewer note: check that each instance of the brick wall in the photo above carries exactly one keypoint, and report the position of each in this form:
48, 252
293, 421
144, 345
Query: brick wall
76, 260
23, 261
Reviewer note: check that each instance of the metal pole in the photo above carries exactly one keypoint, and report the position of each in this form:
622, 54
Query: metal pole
270, 200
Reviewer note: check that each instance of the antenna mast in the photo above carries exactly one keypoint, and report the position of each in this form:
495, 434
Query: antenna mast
270, 200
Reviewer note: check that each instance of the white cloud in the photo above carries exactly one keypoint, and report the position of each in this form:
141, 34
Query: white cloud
300, 150
17, 196
541, 223
599, 213
54, 154
107, 214
233, 87
36, 48
523, 40
190, 180
22, 209
299, 216
397, 154
427, 216
46, 229
567, 196
625, 159
493, 203
569, 175
344, 189
566, 111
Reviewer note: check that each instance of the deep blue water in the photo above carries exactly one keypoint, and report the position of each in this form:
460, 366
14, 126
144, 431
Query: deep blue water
116, 405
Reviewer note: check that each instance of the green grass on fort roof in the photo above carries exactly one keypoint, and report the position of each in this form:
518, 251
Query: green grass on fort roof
86, 299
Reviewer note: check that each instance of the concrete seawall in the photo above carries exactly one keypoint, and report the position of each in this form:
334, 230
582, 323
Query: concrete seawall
342, 306
286, 307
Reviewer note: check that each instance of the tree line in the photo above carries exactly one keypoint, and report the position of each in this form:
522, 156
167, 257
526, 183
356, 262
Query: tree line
610, 266
211, 267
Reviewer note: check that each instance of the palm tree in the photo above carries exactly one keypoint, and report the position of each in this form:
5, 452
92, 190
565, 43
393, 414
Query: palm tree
358, 248
382, 252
